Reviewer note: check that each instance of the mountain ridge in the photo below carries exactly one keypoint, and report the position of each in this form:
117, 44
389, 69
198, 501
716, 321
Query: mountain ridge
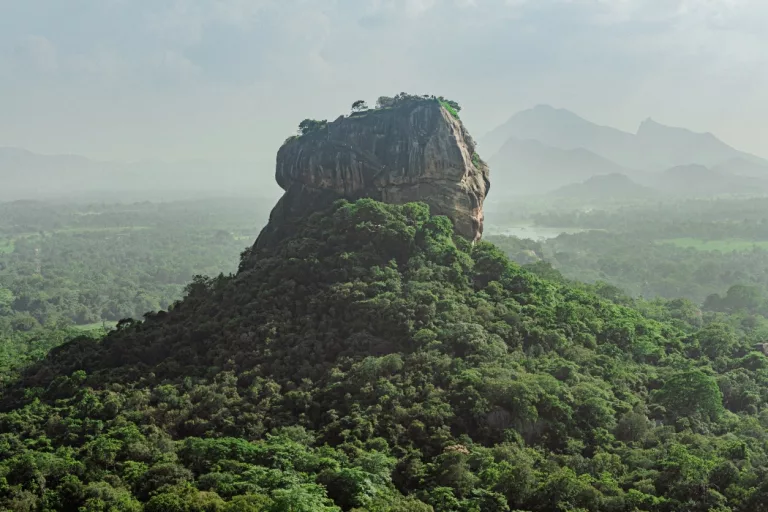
532, 167
606, 187
653, 147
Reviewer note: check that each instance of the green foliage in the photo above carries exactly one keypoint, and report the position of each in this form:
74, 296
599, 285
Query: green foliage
90, 265
451, 106
386, 102
690, 393
373, 362
629, 248
308, 126
359, 106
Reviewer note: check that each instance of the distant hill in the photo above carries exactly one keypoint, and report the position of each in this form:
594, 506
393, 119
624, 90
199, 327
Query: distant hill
559, 128
606, 187
698, 180
679, 146
742, 167
28, 175
532, 167
654, 147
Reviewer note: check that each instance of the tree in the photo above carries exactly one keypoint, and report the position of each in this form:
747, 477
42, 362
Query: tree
454, 105
385, 102
311, 125
690, 392
716, 340
359, 106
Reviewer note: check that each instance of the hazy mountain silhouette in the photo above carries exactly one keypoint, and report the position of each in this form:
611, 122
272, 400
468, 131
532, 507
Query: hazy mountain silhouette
698, 180
531, 167
606, 187
679, 146
742, 167
654, 147
28, 175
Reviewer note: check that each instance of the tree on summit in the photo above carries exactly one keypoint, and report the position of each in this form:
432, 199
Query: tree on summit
454, 105
311, 125
359, 106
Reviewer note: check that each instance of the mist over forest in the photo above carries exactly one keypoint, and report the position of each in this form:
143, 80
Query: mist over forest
242, 270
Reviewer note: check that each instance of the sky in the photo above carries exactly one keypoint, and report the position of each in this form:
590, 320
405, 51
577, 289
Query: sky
230, 79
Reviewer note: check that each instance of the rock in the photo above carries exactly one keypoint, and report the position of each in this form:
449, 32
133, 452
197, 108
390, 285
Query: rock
411, 150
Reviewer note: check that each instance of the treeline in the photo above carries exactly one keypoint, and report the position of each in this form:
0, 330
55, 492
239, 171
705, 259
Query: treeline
713, 219
645, 268
688, 249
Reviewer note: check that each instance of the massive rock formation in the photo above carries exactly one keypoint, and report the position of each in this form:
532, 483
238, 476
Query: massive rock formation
413, 150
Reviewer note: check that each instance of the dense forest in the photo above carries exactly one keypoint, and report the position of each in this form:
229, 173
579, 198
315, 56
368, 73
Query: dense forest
69, 267
375, 362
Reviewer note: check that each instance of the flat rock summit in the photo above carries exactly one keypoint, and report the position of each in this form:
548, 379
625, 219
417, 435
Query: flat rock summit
407, 149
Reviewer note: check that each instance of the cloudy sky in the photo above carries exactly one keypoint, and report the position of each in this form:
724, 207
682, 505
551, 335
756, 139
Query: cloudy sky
230, 79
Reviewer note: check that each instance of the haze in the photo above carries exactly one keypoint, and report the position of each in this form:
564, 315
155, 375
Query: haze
230, 79
516, 260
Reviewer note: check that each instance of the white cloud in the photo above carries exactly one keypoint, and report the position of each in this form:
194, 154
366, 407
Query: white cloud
100, 64
414, 8
181, 22
37, 54
239, 12
622, 59
171, 63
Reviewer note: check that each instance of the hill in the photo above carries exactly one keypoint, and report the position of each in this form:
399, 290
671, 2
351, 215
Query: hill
654, 147
742, 167
373, 360
531, 167
700, 181
562, 129
606, 187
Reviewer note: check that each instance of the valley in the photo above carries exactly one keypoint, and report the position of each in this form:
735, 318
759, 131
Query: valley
383, 256
592, 352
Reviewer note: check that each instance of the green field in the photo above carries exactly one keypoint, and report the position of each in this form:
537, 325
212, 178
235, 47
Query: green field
726, 245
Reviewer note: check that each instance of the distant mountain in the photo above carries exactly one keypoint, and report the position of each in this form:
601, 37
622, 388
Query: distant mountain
701, 181
742, 167
28, 175
558, 128
606, 187
531, 167
654, 147
679, 146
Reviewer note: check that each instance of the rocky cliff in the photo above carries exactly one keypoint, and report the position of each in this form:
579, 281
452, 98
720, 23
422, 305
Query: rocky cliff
414, 150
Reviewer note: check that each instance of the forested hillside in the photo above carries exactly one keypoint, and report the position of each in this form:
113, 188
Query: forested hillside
69, 267
374, 362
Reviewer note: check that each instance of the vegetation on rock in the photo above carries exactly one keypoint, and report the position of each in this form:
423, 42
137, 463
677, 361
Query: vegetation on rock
311, 125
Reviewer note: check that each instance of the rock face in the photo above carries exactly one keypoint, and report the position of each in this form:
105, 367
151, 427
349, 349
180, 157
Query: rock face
413, 151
